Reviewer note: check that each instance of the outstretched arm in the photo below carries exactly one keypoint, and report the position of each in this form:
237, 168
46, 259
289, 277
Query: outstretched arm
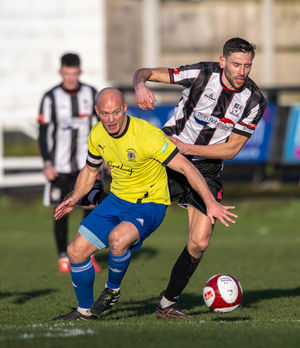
216, 151
197, 181
144, 96
84, 183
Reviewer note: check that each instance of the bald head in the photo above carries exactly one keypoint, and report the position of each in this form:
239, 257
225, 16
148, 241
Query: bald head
111, 109
109, 93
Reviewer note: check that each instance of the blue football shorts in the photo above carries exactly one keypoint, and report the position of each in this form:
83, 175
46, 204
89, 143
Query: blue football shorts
106, 216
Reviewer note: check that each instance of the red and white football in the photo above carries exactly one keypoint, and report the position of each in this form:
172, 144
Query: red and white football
222, 293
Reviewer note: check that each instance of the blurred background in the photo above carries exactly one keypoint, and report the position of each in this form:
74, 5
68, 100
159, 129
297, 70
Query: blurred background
116, 37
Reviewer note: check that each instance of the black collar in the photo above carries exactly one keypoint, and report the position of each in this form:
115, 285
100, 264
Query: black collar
125, 129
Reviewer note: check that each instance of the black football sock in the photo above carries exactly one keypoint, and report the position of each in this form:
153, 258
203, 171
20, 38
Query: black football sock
182, 271
61, 231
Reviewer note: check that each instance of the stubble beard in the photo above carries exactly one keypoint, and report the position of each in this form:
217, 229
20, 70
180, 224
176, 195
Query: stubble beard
232, 83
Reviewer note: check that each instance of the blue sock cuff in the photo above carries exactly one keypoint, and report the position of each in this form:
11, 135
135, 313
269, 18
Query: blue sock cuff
82, 266
121, 258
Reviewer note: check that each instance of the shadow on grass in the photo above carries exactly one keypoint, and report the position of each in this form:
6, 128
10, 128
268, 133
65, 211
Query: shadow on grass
132, 308
253, 296
144, 253
25, 296
231, 319
188, 302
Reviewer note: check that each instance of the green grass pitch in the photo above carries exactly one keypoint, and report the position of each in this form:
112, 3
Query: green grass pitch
262, 250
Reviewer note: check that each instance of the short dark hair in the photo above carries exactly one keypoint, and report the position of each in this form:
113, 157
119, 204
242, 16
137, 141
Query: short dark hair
237, 44
70, 59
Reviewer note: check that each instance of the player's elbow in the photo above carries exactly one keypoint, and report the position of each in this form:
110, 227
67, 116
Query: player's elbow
231, 153
142, 74
230, 156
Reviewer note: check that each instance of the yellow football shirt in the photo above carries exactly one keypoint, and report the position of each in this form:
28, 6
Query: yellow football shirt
137, 159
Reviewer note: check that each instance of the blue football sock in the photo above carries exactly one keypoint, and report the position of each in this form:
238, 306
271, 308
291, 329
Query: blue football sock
83, 276
117, 269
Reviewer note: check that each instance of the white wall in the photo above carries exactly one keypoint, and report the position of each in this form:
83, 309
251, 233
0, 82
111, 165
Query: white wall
33, 36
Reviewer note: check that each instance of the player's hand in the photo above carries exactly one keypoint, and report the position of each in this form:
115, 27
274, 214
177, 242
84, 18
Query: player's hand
181, 146
49, 171
217, 210
144, 97
64, 208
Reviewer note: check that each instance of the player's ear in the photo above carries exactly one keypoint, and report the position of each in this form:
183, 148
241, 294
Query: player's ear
96, 110
222, 62
125, 106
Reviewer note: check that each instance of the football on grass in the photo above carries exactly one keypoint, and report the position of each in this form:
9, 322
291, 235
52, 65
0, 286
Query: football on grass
222, 293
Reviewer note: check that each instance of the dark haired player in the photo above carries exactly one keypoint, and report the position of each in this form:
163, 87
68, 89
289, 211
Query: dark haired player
219, 110
65, 119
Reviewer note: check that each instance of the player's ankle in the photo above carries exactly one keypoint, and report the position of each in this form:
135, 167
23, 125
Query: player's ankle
164, 302
84, 311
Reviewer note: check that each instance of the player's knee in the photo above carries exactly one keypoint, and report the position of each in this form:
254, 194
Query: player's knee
116, 244
74, 254
198, 245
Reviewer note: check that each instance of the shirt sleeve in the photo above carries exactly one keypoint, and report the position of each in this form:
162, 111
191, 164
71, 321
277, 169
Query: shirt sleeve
93, 157
185, 75
45, 110
42, 141
44, 120
160, 148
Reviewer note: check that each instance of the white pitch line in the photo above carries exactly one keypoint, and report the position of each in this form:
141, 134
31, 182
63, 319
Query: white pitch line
53, 333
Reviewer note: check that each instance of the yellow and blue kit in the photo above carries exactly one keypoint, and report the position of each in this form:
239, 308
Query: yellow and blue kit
139, 188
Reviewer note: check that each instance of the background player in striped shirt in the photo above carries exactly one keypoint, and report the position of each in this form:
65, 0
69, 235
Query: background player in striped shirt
219, 110
65, 119
137, 153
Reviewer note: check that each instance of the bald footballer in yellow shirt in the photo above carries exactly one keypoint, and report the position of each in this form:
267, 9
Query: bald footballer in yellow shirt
137, 153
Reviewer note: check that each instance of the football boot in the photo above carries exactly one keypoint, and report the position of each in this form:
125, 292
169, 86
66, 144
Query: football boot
171, 312
105, 301
75, 315
64, 265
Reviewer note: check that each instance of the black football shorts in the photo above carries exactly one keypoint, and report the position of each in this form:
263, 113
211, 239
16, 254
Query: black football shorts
181, 190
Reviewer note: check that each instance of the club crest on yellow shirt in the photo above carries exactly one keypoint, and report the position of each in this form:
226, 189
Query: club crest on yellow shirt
131, 155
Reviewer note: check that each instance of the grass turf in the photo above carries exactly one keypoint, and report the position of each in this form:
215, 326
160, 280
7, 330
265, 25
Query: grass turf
261, 250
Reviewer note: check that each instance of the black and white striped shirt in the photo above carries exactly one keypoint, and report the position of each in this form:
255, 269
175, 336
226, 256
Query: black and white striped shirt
208, 111
65, 121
